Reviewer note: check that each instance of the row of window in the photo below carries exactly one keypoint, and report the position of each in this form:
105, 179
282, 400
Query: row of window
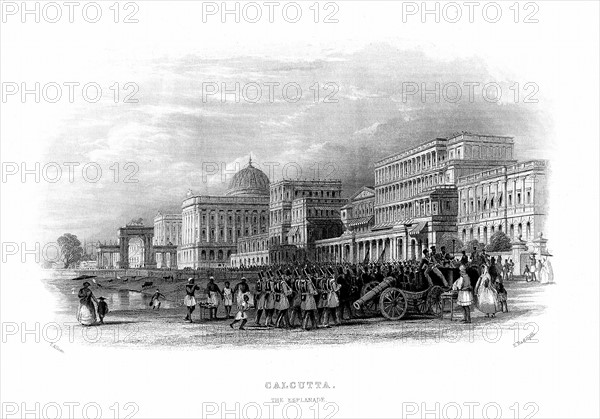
251, 261
411, 210
278, 194
408, 189
491, 203
404, 168
482, 232
219, 255
363, 210
253, 246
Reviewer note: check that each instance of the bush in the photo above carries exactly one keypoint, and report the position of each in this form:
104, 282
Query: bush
499, 242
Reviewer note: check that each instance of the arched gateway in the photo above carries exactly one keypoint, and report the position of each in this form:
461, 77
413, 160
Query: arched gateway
145, 234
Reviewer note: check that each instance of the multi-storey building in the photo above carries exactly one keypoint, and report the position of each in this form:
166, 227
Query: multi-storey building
416, 197
301, 212
467, 186
167, 236
509, 198
167, 229
252, 251
212, 225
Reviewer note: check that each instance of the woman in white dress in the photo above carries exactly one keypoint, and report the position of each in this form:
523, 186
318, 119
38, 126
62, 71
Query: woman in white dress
546, 274
487, 297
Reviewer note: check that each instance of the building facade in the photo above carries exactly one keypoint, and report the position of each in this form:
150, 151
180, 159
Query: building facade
420, 195
301, 213
167, 236
252, 251
467, 186
212, 225
509, 198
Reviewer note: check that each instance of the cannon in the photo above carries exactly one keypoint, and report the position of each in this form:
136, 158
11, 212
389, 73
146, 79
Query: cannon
395, 302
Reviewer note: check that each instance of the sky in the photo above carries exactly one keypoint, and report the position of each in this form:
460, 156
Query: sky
357, 105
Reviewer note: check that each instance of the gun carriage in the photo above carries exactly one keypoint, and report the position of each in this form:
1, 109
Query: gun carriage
394, 300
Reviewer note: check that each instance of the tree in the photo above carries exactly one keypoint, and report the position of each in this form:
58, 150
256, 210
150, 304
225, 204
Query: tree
499, 242
70, 249
446, 241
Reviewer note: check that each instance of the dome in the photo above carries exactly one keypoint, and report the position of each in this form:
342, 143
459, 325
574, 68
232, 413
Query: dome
249, 181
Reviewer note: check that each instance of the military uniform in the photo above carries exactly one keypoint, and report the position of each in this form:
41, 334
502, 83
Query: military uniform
261, 296
282, 291
308, 292
270, 295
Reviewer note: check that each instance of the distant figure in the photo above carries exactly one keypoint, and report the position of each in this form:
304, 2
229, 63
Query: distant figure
506, 270
546, 273
241, 314
227, 299
155, 300
533, 268
527, 273
190, 298
86, 314
214, 293
464, 259
102, 309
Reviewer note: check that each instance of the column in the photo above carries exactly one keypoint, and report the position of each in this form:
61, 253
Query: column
124, 252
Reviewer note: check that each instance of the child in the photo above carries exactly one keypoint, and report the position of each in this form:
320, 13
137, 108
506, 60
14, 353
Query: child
102, 309
155, 301
502, 294
227, 300
241, 314
527, 273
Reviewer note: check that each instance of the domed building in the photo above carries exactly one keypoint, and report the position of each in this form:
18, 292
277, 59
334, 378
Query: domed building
249, 181
211, 225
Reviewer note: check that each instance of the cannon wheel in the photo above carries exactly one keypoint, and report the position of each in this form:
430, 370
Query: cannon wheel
393, 303
422, 305
434, 300
370, 307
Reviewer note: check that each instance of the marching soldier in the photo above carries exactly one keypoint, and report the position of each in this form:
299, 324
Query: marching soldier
270, 301
333, 301
296, 302
321, 298
282, 304
260, 297
346, 291
308, 304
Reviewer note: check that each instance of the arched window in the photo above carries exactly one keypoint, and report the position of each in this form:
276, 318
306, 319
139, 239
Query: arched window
203, 255
220, 255
528, 230
211, 255
512, 231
